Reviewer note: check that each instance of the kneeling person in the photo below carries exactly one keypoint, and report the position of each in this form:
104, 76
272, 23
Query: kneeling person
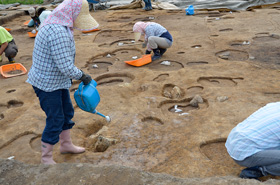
255, 143
8, 45
157, 38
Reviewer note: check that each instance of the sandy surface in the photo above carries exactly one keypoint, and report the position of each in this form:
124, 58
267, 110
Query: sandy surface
229, 59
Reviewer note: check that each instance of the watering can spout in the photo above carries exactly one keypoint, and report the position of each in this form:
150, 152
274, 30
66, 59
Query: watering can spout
108, 119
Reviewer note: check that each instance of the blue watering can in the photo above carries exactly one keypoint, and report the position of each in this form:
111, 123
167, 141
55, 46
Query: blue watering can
87, 98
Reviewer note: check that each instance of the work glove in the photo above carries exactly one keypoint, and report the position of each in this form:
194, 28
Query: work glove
86, 79
147, 52
36, 24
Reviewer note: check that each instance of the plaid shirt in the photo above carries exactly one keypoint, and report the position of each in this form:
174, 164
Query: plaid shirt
260, 131
53, 59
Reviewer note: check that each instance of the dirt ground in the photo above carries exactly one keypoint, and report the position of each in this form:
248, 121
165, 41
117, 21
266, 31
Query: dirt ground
230, 60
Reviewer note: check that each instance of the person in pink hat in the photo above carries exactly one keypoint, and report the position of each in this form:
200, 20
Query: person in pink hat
52, 72
157, 38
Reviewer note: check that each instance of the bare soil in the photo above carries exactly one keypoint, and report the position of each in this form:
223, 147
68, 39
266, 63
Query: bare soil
230, 59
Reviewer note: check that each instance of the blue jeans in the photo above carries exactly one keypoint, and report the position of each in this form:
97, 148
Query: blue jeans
267, 160
59, 111
148, 3
11, 51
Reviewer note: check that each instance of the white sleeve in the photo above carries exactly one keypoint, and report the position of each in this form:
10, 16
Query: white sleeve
44, 15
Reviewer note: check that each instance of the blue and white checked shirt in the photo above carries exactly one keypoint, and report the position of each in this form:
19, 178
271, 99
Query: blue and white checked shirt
157, 30
154, 29
260, 131
53, 59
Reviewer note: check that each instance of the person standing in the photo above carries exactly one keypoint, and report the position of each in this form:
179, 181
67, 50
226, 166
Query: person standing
7, 45
52, 72
157, 38
255, 143
148, 5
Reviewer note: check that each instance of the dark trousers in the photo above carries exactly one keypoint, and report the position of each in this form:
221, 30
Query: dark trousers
11, 51
267, 160
59, 111
148, 3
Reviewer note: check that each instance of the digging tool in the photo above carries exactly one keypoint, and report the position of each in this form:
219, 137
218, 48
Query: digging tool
145, 59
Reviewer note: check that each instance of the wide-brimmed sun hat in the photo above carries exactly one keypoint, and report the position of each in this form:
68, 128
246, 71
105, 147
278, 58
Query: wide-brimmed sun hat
85, 21
31, 11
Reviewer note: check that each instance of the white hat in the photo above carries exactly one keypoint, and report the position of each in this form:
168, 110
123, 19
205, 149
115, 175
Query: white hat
31, 11
85, 21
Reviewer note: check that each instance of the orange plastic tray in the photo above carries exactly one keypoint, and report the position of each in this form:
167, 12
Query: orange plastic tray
32, 35
8, 29
8, 69
90, 31
26, 22
145, 59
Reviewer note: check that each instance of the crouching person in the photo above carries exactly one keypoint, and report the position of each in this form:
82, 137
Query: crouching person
157, 38
8, 45
38, 15
255, 143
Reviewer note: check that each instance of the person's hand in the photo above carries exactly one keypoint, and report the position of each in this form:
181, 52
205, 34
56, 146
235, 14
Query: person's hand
147, 52
144, 45
36, 24
86, 79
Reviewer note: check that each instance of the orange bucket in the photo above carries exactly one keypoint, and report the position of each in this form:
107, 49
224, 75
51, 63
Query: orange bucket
32, 35
145, 59
8, 29
11, 70
90, 31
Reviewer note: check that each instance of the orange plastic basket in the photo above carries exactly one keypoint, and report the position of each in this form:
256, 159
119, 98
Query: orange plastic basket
26, 22
145, 59
32, 35
11, 70
8, 29
90, 31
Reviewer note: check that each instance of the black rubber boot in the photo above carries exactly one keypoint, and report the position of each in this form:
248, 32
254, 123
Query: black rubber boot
162, 51
147, 52
11, 60
157, 54
251, 173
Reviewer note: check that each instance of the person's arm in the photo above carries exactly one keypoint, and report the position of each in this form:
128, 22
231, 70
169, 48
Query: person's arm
31, 23
148, 32
3, 47
44, 15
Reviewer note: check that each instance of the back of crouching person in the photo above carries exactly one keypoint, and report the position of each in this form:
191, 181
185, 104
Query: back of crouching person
8, 45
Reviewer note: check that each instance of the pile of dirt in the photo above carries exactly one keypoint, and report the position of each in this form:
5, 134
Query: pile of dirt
14, 173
